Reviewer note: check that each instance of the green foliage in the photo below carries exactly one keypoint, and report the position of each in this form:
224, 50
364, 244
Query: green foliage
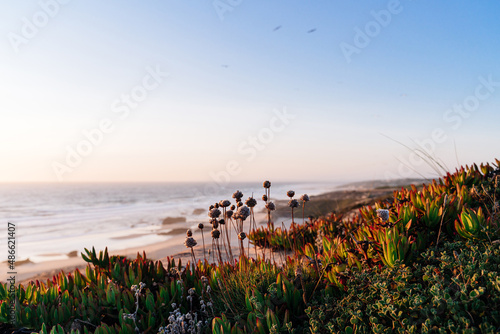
96, 302
455, 288
396, 247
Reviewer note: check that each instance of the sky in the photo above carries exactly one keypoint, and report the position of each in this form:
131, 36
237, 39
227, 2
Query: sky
238, 90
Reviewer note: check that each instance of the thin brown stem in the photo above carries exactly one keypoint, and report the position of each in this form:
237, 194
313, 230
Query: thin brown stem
294, 234
303, 209
218, 249
194, 257
203, 238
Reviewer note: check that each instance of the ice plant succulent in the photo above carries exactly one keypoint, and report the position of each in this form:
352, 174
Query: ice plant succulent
472, 224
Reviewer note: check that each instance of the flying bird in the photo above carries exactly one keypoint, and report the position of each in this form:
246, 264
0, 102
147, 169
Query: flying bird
277, 28
311, 31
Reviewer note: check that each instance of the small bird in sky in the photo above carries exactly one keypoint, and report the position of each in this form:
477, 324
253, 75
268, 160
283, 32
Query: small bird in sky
277, 28
311, 31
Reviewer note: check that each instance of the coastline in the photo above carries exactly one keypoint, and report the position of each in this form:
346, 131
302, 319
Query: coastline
346, 199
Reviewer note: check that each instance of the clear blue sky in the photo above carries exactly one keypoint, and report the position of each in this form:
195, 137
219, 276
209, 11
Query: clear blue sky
350, 84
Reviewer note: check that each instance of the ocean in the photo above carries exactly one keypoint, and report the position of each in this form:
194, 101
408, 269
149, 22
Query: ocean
53, 220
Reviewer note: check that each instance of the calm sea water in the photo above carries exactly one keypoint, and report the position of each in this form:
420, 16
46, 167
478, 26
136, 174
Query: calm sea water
55, 219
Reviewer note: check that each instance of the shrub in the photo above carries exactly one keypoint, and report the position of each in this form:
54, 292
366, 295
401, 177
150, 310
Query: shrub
455, 288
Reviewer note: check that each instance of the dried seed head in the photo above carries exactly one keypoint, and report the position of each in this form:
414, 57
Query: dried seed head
216, 205
240, 204
266, 184
293, 203
238, 195
214, 213
290, 193
215, 234
221, 222
242, 235
225, 203
264, 198
190, 242
201, 226
271, 206
215, 223
243, 212
251, 202
233, 207
189, 233
383, 214
210, 207
304, 198
229, 213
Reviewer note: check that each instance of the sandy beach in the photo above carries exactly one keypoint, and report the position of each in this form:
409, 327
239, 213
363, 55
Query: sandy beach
173, 246
45, 270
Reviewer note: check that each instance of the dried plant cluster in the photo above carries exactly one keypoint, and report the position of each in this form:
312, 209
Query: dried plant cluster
426, 261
